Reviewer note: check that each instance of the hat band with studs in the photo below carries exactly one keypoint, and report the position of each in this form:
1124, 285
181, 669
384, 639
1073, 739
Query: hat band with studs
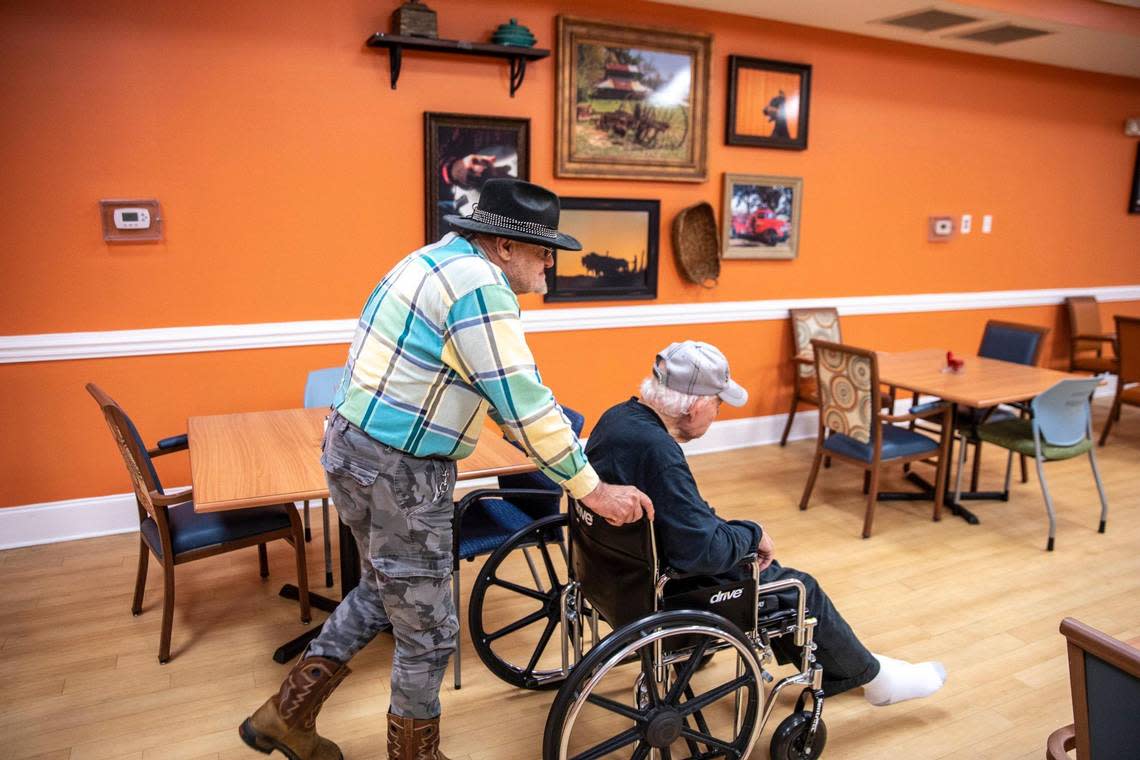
498, 220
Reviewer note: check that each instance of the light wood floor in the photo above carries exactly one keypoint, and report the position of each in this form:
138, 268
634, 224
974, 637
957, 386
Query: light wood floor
81, 679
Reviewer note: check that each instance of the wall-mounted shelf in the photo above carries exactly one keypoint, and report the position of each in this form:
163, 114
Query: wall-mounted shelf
517, 56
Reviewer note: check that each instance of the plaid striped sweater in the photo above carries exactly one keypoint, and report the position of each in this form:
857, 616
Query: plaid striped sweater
438, 346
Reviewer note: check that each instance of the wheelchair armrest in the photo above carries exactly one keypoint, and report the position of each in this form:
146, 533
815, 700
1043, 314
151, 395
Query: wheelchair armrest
170, 445
676, 575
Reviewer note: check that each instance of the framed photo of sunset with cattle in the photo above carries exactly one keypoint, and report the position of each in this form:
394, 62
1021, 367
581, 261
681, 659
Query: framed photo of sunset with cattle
618, 260
767, 103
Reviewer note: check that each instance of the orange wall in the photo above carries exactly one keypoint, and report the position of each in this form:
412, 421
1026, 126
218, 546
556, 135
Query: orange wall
291, 177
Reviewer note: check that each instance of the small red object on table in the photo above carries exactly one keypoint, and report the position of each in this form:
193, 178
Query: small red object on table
954, 364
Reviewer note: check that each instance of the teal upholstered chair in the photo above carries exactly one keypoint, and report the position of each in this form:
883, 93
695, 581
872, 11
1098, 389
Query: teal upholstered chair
854, 429
320, 388
1060, 427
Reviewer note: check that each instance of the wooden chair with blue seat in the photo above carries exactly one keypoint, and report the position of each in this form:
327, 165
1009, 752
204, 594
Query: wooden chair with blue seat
1128, 371
860, 433
176, 534
1009, 342
1104, 676
320, 390
1059, 428
487, 517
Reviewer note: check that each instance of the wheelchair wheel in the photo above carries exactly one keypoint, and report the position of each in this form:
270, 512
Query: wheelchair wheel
790, 738
619, 702
515, 608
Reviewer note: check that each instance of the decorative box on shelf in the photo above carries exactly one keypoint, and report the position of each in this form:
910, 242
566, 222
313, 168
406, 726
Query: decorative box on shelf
414, 19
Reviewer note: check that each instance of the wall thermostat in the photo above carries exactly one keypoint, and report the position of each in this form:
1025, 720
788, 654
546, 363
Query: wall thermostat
126, 221
131, 218
940, 229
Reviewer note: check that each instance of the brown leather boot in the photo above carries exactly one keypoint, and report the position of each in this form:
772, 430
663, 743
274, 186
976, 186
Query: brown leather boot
287, 721
413, 739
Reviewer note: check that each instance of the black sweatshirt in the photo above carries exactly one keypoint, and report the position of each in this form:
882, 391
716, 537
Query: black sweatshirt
630, 446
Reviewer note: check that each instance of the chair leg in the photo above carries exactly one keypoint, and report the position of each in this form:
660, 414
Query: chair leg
961, 467
872, 498
1048, 504
308, 530
140, 579
328, 543
458, 629
167, 611
1024, 469
1099, 490
791, 416
302, 569
1009, 471
811, 479
263, 560
866, 481
1113, 414
976, 469
941, 475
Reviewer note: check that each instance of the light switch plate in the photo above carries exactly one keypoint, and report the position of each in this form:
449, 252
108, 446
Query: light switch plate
987, 224
967, 223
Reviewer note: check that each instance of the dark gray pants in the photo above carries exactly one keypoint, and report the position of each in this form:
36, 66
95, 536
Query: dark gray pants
399, 509
846, 662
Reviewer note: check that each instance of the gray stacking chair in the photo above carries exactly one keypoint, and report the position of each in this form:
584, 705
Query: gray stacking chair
1060, 428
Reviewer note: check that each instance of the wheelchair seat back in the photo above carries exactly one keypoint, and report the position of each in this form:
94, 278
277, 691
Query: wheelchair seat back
614, 565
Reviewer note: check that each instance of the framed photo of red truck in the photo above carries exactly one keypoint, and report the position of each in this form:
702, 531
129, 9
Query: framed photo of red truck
761, 216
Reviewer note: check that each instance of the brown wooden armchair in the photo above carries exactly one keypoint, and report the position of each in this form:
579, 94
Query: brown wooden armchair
1128, 371
171, 529
860, 433
808, 324
1104, 675
1088, 341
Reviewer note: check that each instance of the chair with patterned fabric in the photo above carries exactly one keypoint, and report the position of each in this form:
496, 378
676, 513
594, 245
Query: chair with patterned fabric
1087, 340
171, 529
1060, 428
1128, 374
486, 518
808, 324
860, 433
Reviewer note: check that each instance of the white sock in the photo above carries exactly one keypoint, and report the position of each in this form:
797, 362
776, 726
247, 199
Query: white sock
899, 681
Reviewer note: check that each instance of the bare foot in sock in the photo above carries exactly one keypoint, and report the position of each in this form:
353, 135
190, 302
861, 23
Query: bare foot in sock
899, 681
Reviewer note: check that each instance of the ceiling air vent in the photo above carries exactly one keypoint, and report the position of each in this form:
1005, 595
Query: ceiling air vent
1000, 35
930, 21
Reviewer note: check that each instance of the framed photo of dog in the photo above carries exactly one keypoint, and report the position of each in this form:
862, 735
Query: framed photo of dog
618, 260
768, 103
1134, 196
761, 218
632, 102
462, 152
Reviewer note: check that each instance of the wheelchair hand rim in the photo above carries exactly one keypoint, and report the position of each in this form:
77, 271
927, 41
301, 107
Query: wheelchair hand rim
742, 649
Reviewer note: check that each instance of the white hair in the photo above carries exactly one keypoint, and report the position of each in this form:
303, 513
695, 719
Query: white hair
666, 401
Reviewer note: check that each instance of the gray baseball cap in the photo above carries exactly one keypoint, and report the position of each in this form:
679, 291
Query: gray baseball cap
698, 369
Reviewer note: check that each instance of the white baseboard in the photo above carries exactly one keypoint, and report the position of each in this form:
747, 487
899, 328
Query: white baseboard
73, 519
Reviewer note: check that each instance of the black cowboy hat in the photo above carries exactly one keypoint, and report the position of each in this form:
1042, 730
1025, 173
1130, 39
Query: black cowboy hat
517, 210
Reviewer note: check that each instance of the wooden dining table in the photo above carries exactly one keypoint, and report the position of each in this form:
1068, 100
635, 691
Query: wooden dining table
254, 459
981, 383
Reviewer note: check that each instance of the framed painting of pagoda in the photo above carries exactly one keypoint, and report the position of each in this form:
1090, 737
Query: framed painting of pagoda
632, 102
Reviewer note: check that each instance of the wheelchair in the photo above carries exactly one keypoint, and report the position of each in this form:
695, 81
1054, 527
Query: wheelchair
648, 663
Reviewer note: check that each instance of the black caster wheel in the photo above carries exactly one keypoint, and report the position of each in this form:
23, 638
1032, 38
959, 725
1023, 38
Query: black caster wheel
790, 738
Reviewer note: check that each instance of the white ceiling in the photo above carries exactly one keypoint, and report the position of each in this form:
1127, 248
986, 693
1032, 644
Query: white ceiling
1111, 46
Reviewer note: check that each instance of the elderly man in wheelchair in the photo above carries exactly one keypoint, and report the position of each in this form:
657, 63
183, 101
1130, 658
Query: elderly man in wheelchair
675, 593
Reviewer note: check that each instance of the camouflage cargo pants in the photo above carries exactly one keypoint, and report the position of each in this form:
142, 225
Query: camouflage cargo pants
399, 508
